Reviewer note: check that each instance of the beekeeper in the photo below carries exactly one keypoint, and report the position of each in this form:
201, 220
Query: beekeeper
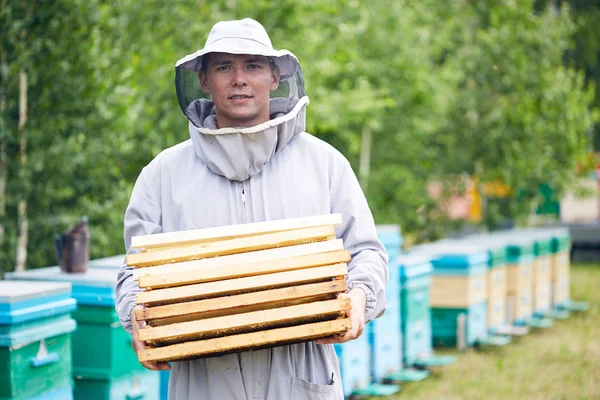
249, 159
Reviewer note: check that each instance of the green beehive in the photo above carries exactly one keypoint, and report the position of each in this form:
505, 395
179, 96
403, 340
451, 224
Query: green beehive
112, 355
497, 280
445, 324
138, 385
415, 283
542, 271
517, 250
561, 240
101, 347
458, 287
529, 276
543, 244
35, 340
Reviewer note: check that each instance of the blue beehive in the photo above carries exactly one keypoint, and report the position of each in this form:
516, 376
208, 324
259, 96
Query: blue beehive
383, 332
415, 280
35, 340
458, 287
354, 364
391, 238
104, 362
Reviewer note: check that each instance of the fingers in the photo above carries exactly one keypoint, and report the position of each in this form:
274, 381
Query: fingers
330, 339
357, 319
139, 345
159, 366
351, 334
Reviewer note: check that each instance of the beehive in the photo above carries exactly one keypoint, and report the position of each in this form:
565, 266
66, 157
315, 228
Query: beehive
459, 286
560, 266
384, 334
520, 262
35, 340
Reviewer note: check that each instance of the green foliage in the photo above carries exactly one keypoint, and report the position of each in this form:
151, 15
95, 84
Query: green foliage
447, 90
520, 116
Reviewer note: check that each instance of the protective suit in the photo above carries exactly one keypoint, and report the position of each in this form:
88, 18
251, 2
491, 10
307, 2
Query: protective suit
271, 171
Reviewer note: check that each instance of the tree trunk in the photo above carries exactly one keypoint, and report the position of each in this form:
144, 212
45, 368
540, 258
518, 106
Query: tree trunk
22, 208
3, 134
365, 158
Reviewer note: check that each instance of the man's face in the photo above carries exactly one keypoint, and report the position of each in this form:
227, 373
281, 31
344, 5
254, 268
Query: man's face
239, 85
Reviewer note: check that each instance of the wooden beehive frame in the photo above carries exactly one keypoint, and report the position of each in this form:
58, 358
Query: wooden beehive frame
230, 246
227, 289
211, 274
246, 341
236, 304
240, 285
239, 260
245, 322
192, 236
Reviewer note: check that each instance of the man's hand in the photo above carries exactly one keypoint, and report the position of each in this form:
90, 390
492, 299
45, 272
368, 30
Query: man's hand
356, 314
139, 345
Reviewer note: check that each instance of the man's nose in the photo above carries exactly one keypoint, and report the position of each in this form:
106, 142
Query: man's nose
239, 77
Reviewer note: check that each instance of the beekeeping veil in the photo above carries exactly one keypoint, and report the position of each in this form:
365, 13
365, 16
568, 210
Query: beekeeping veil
239, 153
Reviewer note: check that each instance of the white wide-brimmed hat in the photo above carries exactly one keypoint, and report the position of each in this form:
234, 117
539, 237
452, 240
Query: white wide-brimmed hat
245, 36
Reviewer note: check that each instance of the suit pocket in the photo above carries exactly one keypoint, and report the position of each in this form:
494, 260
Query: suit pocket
303, 390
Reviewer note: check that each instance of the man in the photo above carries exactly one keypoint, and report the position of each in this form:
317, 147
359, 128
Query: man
249, 160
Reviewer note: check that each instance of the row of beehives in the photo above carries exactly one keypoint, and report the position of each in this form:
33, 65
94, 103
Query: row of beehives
479, 290
443, 293
61, 339
249, 286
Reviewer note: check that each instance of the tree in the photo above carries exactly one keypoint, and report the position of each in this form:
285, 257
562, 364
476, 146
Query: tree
585, 54
443, 91
521, 117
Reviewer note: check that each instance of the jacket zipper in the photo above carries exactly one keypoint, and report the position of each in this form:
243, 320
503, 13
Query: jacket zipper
244, 203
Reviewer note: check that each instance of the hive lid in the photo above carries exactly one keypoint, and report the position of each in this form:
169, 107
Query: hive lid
413, 266
452, 253
94, 287
496, 248
14, 291
108, 262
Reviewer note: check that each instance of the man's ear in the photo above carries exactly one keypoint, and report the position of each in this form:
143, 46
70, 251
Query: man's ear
204, 82
275, 80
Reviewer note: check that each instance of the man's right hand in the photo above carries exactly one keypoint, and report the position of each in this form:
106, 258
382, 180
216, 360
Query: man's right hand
139, 345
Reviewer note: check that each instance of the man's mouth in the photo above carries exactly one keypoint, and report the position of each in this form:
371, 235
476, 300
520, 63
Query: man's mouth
239, 97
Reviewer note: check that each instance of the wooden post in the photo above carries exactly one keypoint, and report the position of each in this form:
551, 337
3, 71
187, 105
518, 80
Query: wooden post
511, 309
22, 207
461, 332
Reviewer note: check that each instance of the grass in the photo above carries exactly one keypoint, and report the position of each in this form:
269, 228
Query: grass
562, 362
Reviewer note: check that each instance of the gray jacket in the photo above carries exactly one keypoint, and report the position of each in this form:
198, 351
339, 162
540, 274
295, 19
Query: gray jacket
277, 172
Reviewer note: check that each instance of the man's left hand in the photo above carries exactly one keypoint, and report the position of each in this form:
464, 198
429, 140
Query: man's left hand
356, 314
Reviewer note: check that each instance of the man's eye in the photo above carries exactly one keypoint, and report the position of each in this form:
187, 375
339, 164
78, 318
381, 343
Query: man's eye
223, 68
253, 66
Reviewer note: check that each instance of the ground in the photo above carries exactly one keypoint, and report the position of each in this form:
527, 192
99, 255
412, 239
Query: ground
562, 362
